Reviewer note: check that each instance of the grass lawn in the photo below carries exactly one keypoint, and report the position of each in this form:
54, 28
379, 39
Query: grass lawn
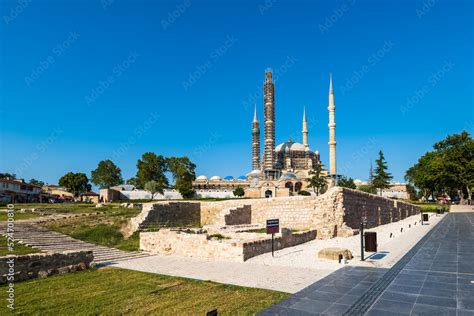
18, 249
113, 291
102, 229
432, 207
18, 216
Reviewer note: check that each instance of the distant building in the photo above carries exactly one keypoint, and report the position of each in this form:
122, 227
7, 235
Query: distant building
89, 197
396, 191
18, 191
58, 193
282, 170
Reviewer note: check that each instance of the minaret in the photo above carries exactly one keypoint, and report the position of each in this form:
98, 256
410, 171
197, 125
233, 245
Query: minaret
305, 129
255, 141
269, 121
332, 130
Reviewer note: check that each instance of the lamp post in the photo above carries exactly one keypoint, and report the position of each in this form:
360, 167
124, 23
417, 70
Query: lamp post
363, 223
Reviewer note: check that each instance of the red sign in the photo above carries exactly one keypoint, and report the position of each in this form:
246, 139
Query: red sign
273, 226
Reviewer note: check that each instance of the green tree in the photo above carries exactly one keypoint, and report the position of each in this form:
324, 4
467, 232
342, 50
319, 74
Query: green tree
76, 183
317, 181
151, 168
36, 182
153, 187
304, 193
182, 170
239, 191
106, 175
381, 179
367, 188
6, 175
347, 183
449, 168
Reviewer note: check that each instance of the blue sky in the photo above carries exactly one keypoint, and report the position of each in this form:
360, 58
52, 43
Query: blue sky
83, 81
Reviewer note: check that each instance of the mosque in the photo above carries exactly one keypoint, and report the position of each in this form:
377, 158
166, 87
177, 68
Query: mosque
284, 169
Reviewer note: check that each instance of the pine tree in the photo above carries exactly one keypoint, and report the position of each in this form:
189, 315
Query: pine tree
371, 173
317, 181
381, 178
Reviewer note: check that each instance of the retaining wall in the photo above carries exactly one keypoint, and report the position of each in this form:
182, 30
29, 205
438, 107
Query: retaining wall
25, 267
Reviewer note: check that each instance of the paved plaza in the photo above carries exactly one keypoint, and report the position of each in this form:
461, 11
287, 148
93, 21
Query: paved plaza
436, 277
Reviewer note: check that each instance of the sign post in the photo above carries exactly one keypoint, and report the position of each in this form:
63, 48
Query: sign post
273, 226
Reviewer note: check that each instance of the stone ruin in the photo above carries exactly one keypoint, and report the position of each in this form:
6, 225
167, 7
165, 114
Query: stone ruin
227, 229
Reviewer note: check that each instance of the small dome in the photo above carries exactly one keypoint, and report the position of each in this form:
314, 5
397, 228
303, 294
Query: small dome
288, 176
254, 173
215, 178
229, 178
201, 178
290, 146
242, 178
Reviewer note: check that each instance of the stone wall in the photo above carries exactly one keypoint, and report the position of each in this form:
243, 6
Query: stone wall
199, 244
171, 214
338, 212
32, 266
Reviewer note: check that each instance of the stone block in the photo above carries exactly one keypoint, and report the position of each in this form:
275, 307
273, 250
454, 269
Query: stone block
334, 253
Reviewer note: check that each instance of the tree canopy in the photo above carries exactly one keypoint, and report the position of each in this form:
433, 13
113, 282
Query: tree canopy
106, 175
153, 187
36, 182
239, 191
151, 167
317, 181
347, 183
381, 178
449, 168
182, 170
76, 183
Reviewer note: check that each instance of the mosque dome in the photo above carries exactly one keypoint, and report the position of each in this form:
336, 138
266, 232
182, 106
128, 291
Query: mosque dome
288, 176
201, 178
215, 178
254, 173
290, 146
229, 178
242, 178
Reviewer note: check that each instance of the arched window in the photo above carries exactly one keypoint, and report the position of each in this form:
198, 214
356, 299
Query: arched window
268, 193
289, 185
298, 186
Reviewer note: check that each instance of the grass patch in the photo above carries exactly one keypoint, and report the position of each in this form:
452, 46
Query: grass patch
116, 291
18, 249
97, 229
18, 216
218, 237
432, 207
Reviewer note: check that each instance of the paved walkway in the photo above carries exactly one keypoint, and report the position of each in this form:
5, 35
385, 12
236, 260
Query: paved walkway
31, 234
284, 279
436, 277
